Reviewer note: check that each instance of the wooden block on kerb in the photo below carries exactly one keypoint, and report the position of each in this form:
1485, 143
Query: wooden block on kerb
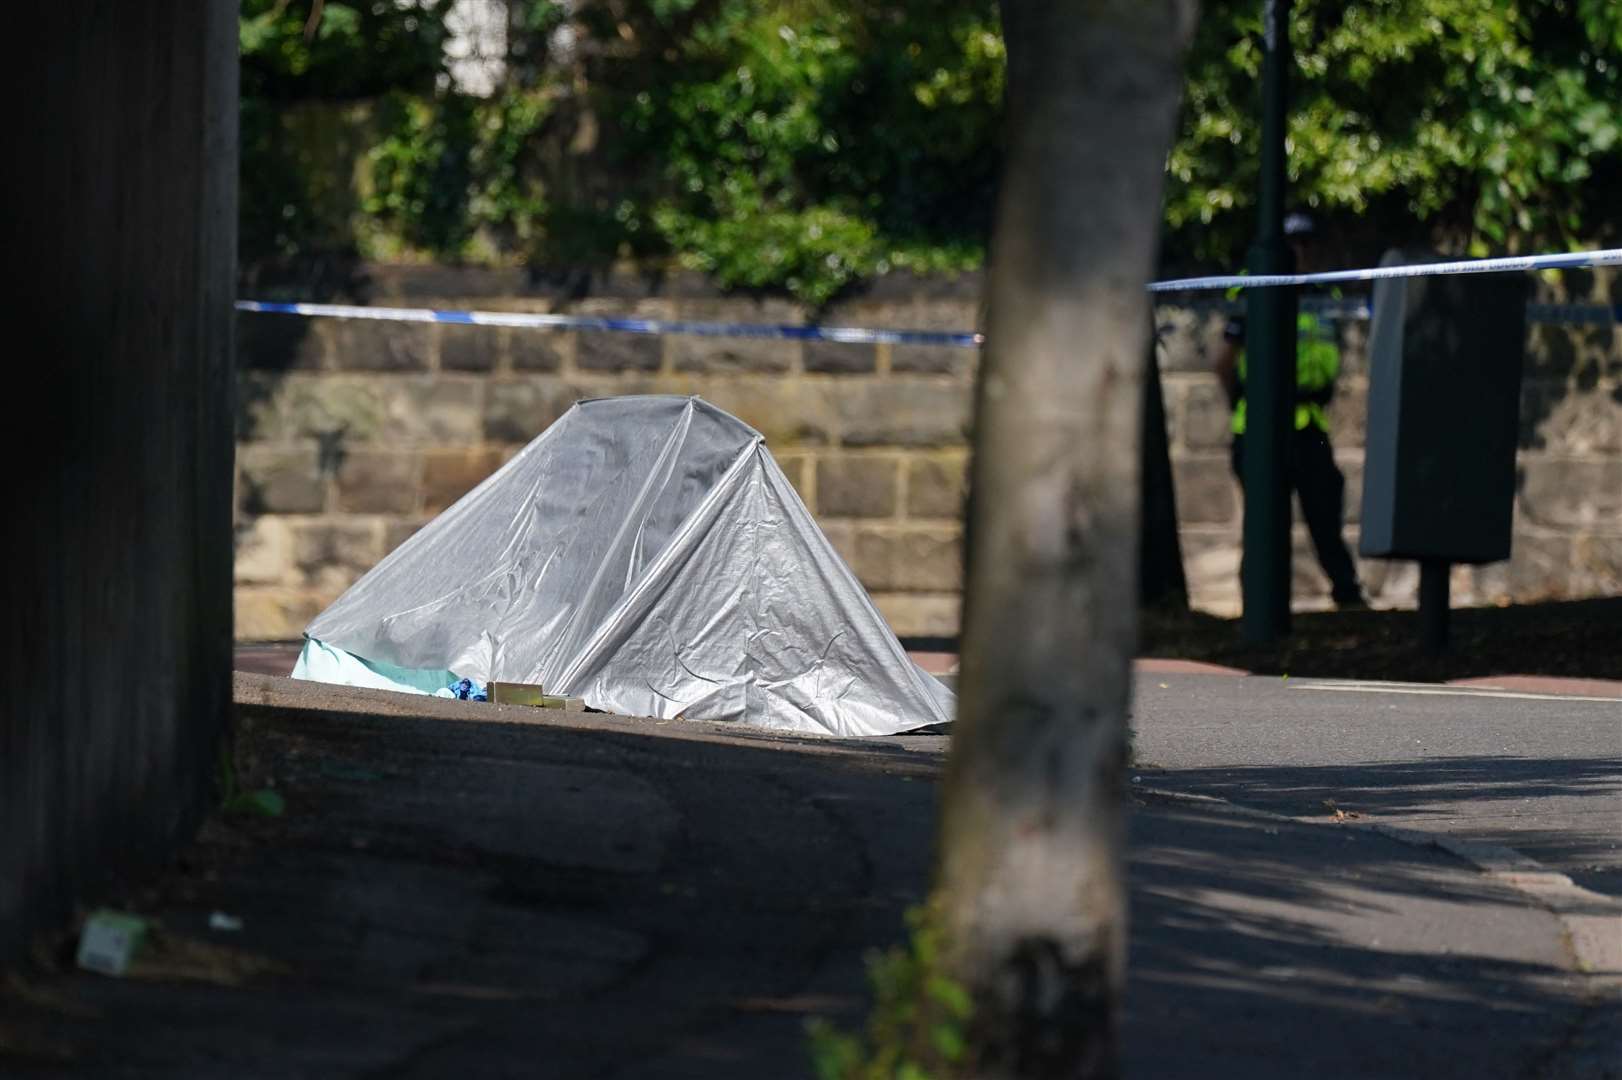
531, 694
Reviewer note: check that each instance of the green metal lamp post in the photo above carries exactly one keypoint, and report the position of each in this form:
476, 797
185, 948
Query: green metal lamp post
1270, 365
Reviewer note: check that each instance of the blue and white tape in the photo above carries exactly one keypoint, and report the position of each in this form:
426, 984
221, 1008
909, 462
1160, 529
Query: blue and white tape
1357, 309
851, 335
855, 335
1563, 261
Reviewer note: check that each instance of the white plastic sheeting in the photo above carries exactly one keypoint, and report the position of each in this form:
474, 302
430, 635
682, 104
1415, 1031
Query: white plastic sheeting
648, 555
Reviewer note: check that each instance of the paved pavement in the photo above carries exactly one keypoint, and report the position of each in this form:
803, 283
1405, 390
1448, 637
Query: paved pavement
459, 887
1539, 773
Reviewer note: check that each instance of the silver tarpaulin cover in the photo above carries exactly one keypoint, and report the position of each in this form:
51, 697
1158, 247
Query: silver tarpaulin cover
648, 555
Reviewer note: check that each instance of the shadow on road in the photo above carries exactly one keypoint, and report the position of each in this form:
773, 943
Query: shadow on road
1283, 955
1497, 800
454, 891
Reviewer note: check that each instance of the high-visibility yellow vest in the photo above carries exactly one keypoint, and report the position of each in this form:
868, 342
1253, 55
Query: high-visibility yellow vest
1317, 365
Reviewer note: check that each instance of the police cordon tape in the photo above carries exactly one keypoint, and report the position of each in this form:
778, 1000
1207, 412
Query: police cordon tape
855, 335
1571, 260
1358, 309
845, 334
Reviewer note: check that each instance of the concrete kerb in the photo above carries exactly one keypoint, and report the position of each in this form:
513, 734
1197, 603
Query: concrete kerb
1591, 921
253, 691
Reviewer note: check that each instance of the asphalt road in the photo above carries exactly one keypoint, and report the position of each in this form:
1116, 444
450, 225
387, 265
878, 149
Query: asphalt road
1539, 773
463, 888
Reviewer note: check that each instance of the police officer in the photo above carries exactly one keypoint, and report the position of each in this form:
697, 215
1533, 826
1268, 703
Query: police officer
1317, 480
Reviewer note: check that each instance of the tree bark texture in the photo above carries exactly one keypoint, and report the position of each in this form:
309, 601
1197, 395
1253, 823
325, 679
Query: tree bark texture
1029, 892
123, 164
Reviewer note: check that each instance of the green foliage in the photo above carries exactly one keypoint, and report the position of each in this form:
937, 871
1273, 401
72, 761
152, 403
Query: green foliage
291, 52
273, 202
809, 144
507, 196
1480, 118
298, 67
422, 172
234, 799
917, 1029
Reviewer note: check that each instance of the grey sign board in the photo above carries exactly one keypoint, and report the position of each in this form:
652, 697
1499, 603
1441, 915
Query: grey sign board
1445, 357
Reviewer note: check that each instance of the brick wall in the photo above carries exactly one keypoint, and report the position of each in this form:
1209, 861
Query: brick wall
352, 434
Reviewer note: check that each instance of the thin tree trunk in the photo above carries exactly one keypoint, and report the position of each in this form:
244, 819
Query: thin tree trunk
1161, 582
1029, 893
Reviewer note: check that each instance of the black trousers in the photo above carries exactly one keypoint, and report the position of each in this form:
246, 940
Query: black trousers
1321, 490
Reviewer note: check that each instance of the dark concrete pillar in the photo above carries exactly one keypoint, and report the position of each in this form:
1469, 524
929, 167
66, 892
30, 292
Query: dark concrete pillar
122, 195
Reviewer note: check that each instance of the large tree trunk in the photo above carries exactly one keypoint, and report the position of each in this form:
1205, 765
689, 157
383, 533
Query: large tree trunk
123, 181
1029, 894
